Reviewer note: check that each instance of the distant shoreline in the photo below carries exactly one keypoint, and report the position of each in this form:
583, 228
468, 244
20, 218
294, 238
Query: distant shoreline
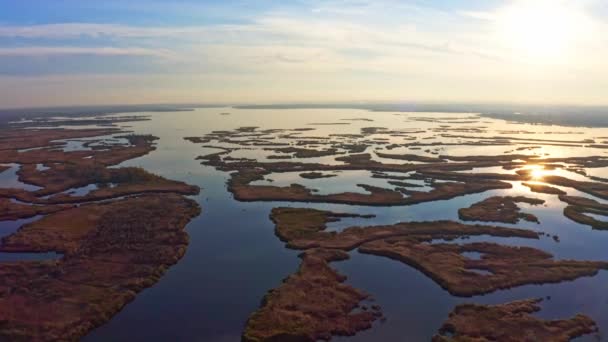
574, 116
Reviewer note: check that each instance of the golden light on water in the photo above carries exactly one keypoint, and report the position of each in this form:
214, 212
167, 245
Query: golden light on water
538, 174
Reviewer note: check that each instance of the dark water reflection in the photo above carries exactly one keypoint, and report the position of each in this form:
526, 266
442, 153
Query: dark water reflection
416, 306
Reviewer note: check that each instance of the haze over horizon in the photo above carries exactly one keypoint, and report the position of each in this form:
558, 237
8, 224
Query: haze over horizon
72, 52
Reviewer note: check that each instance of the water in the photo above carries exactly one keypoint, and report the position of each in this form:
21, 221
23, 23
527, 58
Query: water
10, 179
343, 181
8, 257
234, 257
472, 255
8, 228
82, 191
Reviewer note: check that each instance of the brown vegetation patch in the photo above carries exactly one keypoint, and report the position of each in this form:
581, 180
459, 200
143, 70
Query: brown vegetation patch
78, 121
312, 304
124, 181
499, 209
306, 152
73, 169
113, 251
410, 157
11, 210
21, 139
544, 189
510, 322
239, 185
316, 175
593, 188
578, 207
304, 228
508, 266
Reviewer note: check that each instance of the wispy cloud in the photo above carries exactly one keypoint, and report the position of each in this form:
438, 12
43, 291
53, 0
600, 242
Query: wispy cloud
366, 46
100, 51
71, 30
489, 16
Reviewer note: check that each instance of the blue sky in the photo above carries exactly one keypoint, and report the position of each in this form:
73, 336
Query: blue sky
180, 12
135, 12
65, 52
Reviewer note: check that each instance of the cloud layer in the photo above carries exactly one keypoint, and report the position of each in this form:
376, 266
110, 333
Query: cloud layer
313, 51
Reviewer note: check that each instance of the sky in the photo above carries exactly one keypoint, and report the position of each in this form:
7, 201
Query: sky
75, 52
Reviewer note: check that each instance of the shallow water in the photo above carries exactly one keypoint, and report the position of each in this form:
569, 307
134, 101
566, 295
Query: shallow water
10, 179
8, 228
344, 181
234, 258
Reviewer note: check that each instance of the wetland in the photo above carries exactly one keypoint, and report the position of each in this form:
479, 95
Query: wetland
282, 224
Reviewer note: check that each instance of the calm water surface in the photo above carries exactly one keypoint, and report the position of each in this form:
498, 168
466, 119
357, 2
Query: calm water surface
234, 257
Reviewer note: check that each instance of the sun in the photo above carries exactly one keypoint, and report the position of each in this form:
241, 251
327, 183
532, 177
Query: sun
538, 174
540, 29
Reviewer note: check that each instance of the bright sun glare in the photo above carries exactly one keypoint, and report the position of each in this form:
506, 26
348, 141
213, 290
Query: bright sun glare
540, 29
538, 174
